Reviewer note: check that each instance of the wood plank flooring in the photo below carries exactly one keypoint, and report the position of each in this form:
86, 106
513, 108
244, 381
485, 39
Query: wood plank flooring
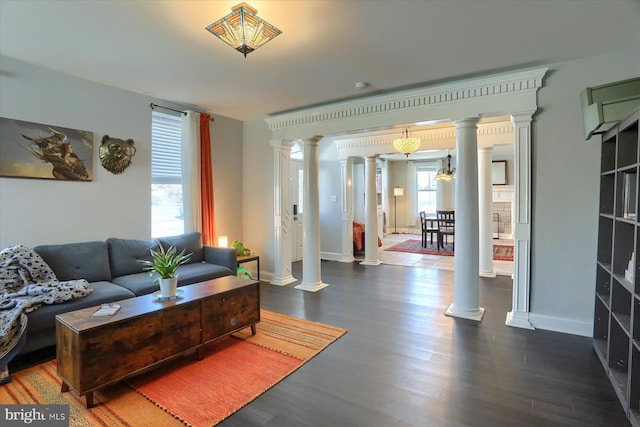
403, 363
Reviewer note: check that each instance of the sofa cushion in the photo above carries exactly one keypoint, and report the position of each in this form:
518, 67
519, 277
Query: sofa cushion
188, 274
199, 272
103, 292
72, 261
190, 242
138, 283
125, 253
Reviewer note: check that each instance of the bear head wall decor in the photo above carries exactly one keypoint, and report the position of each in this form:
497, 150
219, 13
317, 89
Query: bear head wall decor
116, 154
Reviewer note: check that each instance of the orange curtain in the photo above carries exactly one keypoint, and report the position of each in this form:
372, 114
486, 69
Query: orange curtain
206, 183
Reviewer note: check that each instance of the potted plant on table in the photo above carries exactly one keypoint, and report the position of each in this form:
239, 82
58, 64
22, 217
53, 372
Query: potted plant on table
164, 264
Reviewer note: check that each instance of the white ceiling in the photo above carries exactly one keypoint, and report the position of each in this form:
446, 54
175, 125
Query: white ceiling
161, 49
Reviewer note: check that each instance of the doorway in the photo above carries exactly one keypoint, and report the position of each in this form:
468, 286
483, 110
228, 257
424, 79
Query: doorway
297, 230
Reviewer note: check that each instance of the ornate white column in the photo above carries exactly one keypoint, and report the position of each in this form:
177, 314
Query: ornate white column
371, 213
346, 179
282, 214
485, 197
466, 293
519, 315
311, 280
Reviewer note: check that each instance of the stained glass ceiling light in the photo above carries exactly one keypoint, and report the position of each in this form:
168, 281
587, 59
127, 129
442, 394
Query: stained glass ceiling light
405, 144
447, 173
243, 30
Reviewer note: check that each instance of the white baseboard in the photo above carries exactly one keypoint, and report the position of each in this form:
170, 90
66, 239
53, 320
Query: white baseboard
331, 256
391, 231
561, 324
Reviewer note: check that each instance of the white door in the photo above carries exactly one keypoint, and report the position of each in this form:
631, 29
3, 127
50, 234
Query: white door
297, 230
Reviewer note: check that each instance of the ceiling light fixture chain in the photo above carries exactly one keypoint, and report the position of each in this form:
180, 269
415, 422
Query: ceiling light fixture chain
446, 174
406, 144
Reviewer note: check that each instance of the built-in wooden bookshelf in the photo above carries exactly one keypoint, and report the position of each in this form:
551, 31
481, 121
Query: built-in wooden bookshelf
616, 322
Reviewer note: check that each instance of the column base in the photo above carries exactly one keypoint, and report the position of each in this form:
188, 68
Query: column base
312, 287
476, 315
283, 281
366, 262
490, 274
518, 320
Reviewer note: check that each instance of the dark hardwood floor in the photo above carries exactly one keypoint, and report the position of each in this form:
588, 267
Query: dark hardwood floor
403, 363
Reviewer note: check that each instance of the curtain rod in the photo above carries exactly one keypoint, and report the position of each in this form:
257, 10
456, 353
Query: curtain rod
154, 106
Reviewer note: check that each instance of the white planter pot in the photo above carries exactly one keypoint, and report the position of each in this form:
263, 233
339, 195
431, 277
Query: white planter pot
168, 287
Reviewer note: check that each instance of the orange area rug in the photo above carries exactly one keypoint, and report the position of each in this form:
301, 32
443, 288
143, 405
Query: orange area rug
234, 371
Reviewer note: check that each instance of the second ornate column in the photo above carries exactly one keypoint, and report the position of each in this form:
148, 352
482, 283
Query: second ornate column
311, 280
466, 293
371, 213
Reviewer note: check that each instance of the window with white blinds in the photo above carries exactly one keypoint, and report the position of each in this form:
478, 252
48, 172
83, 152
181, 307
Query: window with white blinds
166, 137
166, 174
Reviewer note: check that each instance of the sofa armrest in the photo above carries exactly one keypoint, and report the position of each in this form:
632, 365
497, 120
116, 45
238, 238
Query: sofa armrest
226, 257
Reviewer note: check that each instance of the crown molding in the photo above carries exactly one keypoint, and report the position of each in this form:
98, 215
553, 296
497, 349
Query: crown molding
520, 82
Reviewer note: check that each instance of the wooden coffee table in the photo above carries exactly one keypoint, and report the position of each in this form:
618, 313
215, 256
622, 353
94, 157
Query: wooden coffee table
93, 352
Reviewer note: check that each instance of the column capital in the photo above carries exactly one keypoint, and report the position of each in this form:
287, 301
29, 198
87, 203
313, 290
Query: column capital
282, 144
522, 117
487, 149
312, 140
468, 122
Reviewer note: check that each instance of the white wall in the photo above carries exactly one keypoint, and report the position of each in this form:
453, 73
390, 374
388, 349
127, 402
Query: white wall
226, 150
330, 190
398, 178
36, 211
257, 193
565, 192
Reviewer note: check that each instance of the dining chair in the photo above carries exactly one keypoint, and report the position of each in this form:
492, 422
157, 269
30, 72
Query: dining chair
446, 227
428, 228
423, 228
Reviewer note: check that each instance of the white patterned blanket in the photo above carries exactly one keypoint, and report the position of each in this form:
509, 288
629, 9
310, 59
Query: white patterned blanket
27, 282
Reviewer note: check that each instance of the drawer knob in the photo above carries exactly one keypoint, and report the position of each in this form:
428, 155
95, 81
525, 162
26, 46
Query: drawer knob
234, 321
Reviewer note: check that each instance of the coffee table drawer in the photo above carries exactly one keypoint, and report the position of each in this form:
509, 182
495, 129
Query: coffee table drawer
230, 311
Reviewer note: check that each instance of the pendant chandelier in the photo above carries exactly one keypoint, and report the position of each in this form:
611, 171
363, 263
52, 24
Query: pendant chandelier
243, 30
445, 174
405, 144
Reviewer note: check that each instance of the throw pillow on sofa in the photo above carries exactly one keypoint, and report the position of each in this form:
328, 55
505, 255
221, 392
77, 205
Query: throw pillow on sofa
190, 242
125, 253
72, 261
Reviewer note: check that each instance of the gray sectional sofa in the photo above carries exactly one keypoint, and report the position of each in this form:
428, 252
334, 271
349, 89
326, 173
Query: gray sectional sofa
112, 270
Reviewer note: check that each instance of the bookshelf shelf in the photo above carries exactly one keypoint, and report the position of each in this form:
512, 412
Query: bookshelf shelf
616, 324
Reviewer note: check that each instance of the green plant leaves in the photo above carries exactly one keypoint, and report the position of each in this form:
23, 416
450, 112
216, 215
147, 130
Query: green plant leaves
165, 263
